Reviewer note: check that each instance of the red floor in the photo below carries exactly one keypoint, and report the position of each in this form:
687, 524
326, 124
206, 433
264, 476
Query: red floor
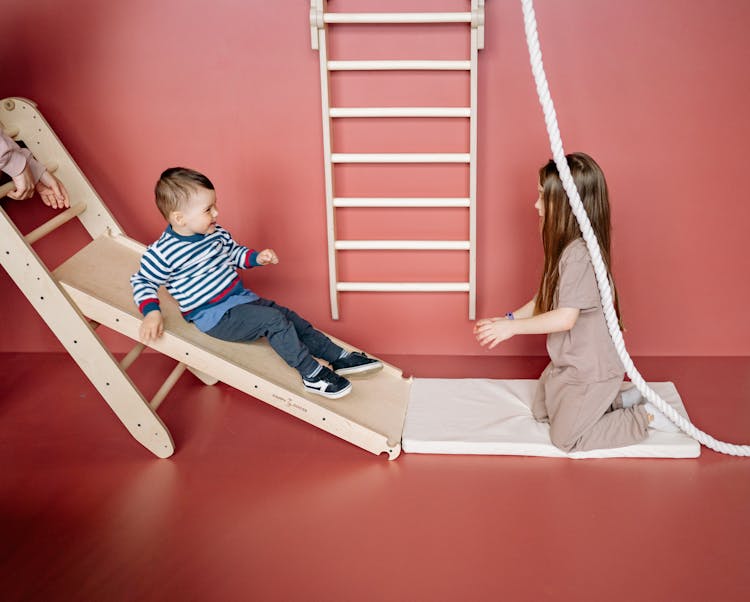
256, 505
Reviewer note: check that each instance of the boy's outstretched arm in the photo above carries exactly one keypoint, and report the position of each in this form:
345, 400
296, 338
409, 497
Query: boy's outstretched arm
266, 256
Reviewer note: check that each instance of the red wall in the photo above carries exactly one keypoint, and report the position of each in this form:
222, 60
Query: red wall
657, 92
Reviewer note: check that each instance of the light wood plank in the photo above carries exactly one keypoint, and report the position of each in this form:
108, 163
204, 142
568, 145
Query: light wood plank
400, 202
389, 18
404, 287
403, 245
399, 65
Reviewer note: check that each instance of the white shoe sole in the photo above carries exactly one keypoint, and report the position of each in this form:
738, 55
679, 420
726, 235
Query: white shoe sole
364, 368
336, 395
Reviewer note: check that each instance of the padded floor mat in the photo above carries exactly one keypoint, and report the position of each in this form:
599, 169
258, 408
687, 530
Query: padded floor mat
493, 417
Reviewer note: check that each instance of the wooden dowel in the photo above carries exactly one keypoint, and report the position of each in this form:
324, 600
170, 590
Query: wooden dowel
164, 390
400, 157
404, 287
338, 112
7, 188
55, 223
132, 355
402, 245
399, 65
382, 18
399, 202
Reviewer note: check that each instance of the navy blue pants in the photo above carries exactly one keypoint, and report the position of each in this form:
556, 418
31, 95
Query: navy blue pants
290, 335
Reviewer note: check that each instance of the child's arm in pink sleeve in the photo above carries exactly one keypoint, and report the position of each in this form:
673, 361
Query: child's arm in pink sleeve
14, 159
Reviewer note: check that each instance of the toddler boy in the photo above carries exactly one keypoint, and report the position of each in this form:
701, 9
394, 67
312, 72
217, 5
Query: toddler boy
197, 261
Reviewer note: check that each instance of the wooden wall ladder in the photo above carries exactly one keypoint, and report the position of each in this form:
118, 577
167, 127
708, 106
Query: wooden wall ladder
320, 19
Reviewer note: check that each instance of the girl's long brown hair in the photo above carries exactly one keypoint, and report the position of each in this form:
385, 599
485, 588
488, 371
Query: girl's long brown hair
560, 228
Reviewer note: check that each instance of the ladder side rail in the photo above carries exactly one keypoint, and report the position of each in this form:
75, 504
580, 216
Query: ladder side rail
475, 40
322, 46
77, 336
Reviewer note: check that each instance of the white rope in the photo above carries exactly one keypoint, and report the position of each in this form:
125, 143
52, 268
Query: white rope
550, 118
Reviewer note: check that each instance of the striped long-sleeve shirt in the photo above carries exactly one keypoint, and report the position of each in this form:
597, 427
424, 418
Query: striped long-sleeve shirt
198, 270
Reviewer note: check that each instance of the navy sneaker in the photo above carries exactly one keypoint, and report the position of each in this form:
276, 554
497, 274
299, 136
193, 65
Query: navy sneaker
328, 384
356, 363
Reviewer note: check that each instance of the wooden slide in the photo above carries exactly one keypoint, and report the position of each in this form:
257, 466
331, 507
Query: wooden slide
92, 288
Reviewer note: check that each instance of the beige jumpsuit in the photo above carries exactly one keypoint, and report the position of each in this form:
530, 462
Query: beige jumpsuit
579, 391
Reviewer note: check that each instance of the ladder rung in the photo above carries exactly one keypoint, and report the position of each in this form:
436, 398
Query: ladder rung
404, 287
401, 112
164, 390
401, 202
55, 223
402, 245
7, 188
397, 18
399, 65
400, 158
132, 355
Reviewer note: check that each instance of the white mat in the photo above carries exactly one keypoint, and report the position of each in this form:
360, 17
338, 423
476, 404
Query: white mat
493, 417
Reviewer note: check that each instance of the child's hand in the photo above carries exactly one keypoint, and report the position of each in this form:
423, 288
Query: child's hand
152, 327
267, 256
492, 331
24, 185
52, 191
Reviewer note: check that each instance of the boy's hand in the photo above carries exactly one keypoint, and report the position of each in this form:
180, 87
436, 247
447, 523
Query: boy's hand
492, 331
267, 256
152, 327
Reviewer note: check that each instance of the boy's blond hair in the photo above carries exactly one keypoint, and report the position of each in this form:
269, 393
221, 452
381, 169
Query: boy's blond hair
175, 186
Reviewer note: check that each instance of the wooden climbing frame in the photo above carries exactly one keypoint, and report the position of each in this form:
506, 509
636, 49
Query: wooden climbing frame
92, 288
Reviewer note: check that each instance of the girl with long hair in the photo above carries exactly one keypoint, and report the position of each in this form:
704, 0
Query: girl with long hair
580, 392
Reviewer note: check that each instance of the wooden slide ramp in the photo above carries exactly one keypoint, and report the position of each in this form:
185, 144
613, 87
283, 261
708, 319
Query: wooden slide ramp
92, 288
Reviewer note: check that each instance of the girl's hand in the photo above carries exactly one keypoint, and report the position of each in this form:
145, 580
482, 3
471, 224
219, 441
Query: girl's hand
267, 256
492, 331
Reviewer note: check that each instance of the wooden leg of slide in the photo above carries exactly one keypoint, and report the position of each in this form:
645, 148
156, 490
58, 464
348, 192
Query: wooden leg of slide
73, 330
